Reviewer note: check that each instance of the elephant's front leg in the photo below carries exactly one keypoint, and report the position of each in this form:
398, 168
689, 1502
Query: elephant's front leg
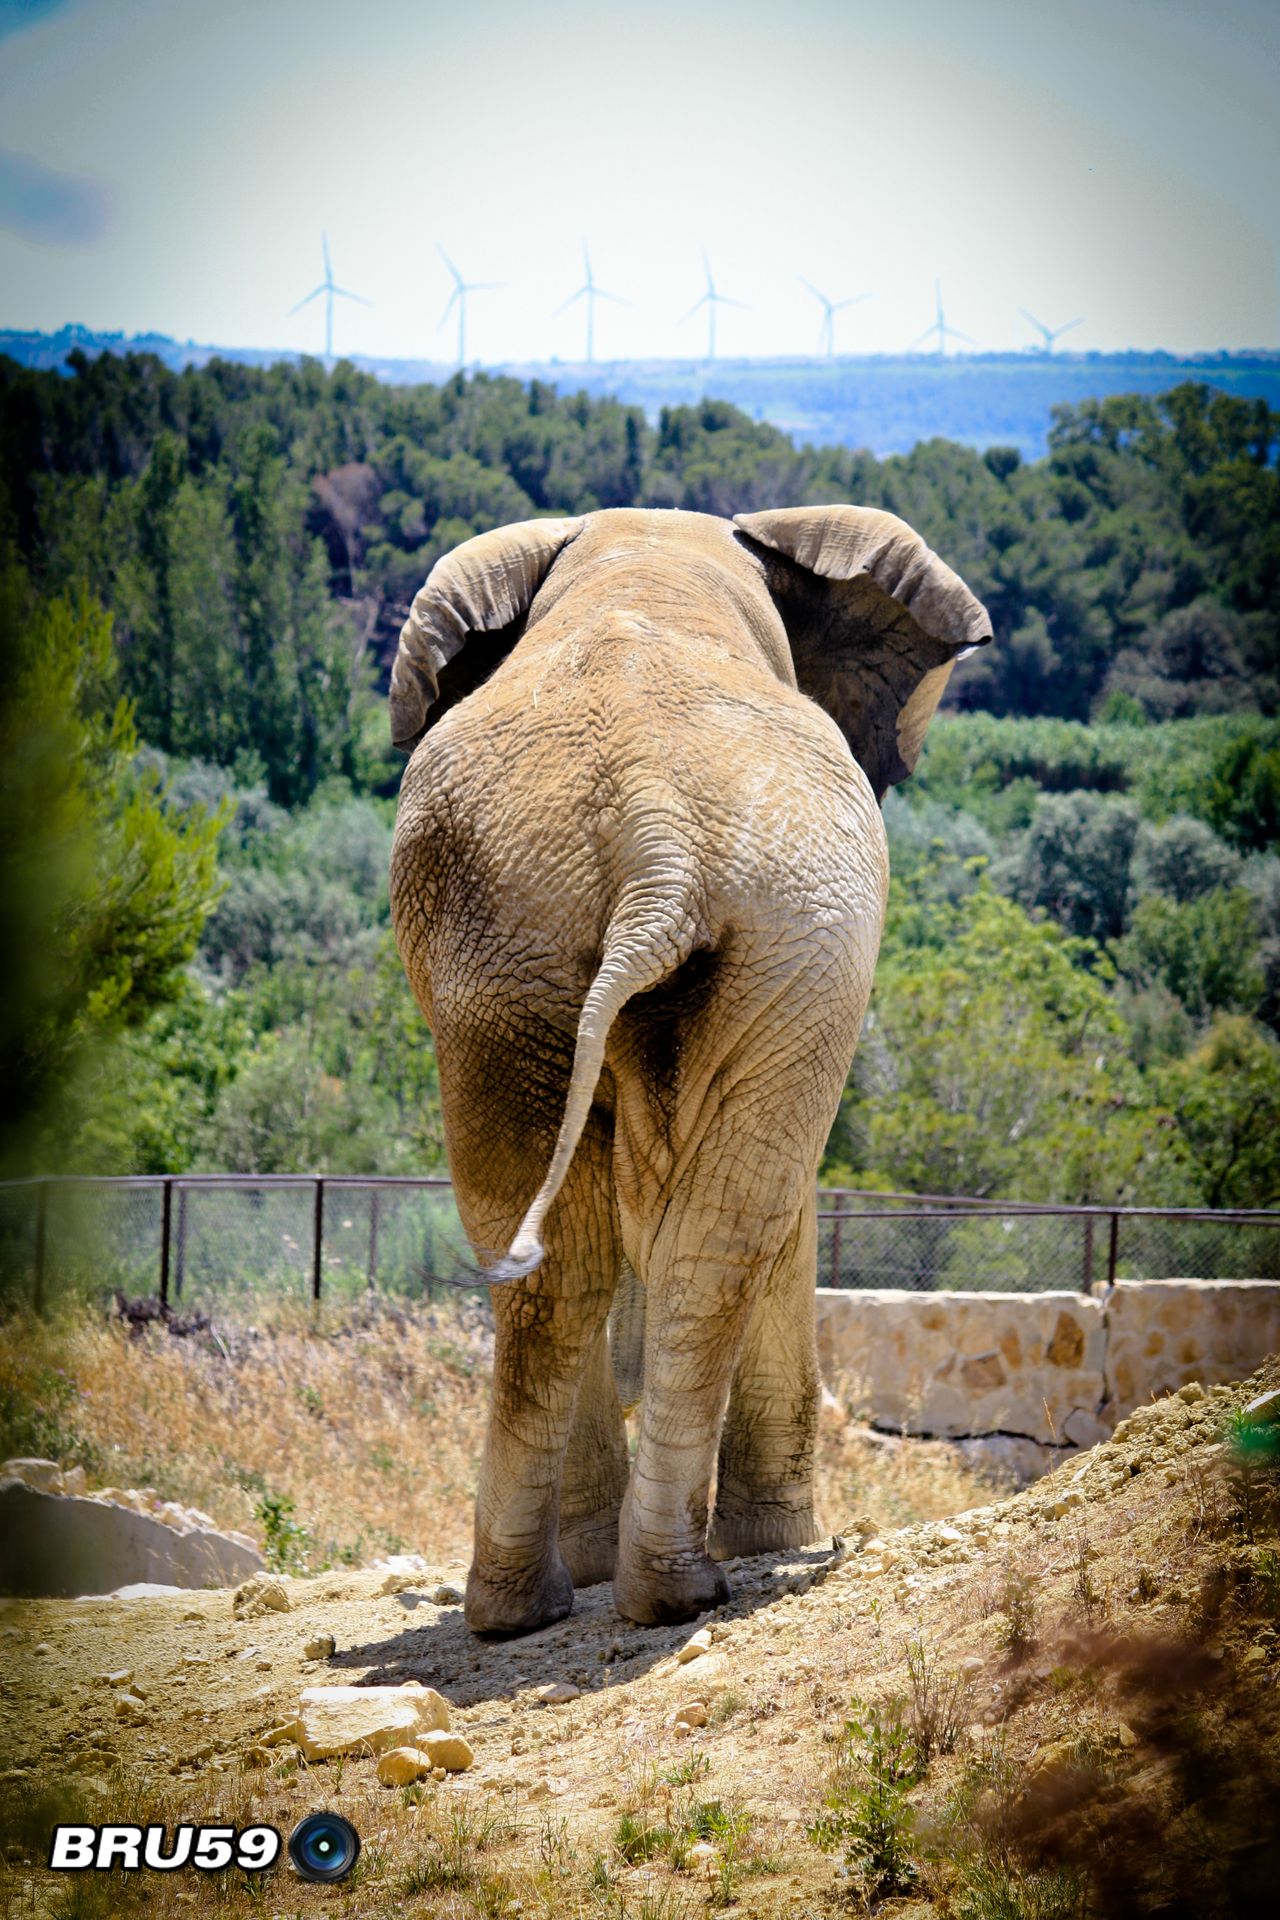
519, 1579
764, 1481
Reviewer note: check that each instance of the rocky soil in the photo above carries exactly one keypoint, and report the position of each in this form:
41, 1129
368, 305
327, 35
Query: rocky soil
1088, 1638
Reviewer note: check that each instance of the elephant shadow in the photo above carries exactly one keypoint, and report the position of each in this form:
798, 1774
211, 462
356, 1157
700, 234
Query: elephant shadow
595, 1649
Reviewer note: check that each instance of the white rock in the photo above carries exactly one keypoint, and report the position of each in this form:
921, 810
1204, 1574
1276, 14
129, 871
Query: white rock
435, 1754
402, 1570
44, 1476
1064, 1503
1264, 1408
263, 1594
695, 1646
556, 1693
320, 1648
447, 1750
399, 1766
60, 1546
335, 1720
446, 1595
692, 1714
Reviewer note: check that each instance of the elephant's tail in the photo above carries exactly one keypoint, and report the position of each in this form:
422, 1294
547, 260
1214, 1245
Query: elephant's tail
653, 931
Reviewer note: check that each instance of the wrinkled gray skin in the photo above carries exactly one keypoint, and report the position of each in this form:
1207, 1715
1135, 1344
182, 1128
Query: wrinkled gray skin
638, 884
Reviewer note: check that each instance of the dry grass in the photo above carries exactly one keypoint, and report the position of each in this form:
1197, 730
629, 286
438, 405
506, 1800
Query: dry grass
335, 1441
371, 1429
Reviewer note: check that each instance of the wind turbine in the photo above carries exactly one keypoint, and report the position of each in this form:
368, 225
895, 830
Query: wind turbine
591, 292
939, 327
1050, 333
461, 288
830, 308
328, 287
710, 300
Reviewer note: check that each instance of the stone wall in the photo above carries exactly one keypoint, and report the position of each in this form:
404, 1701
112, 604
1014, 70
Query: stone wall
1162, 1333
1057, 1368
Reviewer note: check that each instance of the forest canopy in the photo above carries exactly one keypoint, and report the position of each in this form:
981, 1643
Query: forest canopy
1087, 886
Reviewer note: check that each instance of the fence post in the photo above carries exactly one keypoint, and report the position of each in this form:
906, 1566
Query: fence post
166, 1220
374, 1195
835, 1243
1087, 1278
180, 1265
1113, 1249
42, 1218
317, 1247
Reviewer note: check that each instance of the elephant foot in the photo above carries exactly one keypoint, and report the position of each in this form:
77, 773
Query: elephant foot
505, 1607
589, 1549
657, 1593
740, 1531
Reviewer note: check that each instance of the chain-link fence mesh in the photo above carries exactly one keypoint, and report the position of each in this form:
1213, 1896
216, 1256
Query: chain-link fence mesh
866, 1241
208, 1243
229, 1241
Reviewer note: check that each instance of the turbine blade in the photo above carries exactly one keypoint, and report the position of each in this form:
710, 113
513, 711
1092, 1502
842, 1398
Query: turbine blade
1039, 325
348, 295
450, 303
569, 302
693, 309
723, 300
852, 301
619, 299
448, 262
813, 290
328, 270
313, 295
933, 328
1078, 322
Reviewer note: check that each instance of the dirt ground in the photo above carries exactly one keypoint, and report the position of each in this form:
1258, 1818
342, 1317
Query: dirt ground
1100, 1699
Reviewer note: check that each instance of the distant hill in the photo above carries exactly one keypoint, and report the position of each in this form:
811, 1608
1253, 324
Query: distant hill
882, 402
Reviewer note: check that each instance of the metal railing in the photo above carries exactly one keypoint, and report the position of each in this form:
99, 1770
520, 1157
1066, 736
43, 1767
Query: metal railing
199, 1240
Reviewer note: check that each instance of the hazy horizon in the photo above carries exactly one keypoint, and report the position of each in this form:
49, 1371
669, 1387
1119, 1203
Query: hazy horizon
169, 167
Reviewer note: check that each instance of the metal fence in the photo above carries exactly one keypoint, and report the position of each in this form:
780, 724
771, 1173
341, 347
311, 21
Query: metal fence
200, 1241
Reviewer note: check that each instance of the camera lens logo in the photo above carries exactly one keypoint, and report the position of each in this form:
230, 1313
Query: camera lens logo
324, 1846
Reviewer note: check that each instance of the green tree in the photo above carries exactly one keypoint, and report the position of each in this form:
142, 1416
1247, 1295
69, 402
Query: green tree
994, 1063
1204, 950
1225, 1099
1075, 862
103, 891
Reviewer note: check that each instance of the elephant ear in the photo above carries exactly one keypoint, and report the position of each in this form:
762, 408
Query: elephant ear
467, 618
876, 622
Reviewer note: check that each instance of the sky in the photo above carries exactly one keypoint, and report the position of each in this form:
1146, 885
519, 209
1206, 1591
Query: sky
171, 165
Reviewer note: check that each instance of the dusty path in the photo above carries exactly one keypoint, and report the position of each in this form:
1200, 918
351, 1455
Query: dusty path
1125, 1541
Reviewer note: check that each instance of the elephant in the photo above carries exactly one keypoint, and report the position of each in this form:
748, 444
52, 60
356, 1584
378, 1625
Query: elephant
638, 882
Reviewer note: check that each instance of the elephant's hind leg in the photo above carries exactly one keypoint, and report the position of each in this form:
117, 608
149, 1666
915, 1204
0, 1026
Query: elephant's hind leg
548, 1328
764, 1481
709, 1258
